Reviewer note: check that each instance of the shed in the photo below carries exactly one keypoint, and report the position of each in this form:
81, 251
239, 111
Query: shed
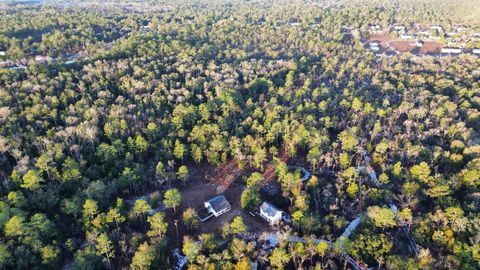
218, 205
306, 175
270, 213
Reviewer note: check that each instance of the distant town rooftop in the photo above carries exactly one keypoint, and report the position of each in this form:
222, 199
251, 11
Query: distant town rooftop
269, 209
218, 205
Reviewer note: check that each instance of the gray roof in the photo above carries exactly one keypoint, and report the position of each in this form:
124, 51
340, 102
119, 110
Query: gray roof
270, 209
306, 174
219, 203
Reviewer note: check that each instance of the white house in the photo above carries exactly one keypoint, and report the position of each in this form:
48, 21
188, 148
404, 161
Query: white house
436, 27
459, 28
451, 50
476, 51
218, 205
424, 33
418, 43
375, 28
145, 28
305, 174
3, 53
407, 37
270, 213
399, 28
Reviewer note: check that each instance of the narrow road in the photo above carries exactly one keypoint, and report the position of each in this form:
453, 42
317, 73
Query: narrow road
351, 227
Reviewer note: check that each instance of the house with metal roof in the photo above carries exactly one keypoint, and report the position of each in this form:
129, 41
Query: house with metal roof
218, 205
270, 213
451, 50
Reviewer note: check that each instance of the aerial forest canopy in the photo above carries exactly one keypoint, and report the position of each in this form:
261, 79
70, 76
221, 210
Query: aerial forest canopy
170, 134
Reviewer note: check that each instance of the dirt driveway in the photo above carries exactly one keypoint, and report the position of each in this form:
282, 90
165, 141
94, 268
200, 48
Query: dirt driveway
194, 196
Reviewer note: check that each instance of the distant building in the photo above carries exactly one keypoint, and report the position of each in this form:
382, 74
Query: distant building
73, 56
459, 28
306, 175
390, 54
218, 205
436, 27
3, 53
270, 213
145, 28
476, 51
375, 28
418, 43
450, 50
399, 28
407, 37
374, 46
345, 29
43, 58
